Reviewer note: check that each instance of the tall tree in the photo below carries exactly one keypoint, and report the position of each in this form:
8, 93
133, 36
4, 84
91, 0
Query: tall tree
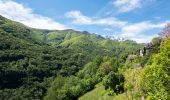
166, 31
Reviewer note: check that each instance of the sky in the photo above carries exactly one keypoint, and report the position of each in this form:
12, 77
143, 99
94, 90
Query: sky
138, 20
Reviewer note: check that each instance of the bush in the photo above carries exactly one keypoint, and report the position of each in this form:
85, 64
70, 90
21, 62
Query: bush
114, 81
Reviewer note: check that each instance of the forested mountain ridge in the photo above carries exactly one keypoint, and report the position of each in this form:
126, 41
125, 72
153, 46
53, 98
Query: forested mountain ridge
26, 64
79, 41
56, 64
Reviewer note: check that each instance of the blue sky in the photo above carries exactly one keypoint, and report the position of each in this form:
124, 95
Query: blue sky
139, 20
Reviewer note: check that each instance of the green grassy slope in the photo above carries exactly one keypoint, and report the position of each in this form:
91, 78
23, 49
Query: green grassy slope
98, 93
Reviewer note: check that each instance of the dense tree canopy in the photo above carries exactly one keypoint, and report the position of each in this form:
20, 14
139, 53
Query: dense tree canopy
63, 65
59, 65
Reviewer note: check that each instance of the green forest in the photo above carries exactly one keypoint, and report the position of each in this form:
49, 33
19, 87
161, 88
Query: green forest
39, 64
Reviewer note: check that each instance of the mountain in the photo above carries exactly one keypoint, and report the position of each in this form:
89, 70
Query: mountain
82, 41
31, 59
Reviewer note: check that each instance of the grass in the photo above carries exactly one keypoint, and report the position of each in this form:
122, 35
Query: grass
98, 93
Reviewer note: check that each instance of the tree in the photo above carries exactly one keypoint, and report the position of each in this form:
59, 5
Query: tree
114, 81
156, 41
155, 78
166, 31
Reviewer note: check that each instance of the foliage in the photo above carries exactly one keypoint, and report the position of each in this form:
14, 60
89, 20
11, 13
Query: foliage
156, 77
114, 81
69, 88
98, 93
59, 64
151, 82
155, 84
165, 32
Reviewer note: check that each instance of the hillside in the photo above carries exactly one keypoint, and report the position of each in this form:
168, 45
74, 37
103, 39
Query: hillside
84, 50
145, 77
79, 41
98, 93
32, 60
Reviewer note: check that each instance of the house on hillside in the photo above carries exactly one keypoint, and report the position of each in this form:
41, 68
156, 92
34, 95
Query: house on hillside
144, 51
141, 52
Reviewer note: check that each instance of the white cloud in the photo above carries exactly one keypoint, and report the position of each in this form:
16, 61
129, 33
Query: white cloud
108, 29
127, 5
137, 28
136, 31
25, 15
116, 7
143, 38
79, 18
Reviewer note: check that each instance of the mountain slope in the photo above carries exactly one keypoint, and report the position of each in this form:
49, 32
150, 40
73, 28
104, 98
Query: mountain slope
79, 41
30, 58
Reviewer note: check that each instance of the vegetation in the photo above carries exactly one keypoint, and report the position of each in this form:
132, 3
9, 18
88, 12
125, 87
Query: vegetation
67, 65
98, 93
